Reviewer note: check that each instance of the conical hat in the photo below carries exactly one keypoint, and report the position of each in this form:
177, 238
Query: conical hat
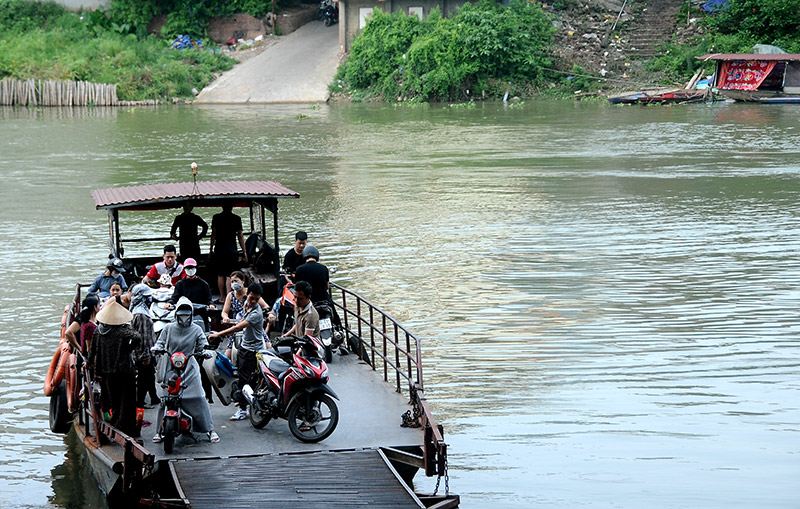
114, 313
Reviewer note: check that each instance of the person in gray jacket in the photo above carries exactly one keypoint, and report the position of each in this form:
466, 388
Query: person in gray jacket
184, 336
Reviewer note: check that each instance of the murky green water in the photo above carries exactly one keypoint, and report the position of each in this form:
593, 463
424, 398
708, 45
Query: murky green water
607, 296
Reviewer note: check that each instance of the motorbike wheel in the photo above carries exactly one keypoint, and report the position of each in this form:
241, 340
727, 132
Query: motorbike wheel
60, 417
327, 21
312, 418
169, 432
258, 417
328, 354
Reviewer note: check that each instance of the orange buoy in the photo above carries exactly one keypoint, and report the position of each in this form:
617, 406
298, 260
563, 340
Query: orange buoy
58, 368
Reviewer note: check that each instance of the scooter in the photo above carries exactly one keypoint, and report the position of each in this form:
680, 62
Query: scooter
296, 391
329, 11
175, 422
160, 311
222, 373
332, 338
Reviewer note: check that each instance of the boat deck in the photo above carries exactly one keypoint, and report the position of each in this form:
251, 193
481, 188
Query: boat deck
369, 416
342, 479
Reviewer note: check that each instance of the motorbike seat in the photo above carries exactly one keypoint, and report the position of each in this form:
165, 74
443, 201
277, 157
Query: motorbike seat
278, 366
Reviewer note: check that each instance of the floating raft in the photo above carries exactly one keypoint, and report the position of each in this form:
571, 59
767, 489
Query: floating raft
334, 479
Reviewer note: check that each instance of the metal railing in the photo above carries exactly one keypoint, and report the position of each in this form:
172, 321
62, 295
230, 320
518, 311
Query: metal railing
381, 338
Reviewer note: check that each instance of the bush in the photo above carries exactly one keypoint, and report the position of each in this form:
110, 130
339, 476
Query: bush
764, 20
398, 56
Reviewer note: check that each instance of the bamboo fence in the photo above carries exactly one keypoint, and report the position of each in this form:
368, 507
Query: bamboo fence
61, 93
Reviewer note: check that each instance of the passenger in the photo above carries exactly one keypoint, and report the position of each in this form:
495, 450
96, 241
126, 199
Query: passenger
169, 266
80, 332
184, 336
253, 340
113, 274
115, 290
314, 273
192, 286
306, 318
235, 302
187, 224
110, 357
145, 364
294, 257
225, 228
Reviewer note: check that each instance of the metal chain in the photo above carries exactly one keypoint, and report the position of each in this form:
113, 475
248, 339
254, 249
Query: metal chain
446, 480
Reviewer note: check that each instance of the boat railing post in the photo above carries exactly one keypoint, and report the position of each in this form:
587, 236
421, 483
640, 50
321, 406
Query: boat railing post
372, 334
385, 349
408, 359
419, 362
358, 320
397, 356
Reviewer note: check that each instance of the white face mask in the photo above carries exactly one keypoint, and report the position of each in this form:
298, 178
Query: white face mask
236, 286
114, 273
191, 272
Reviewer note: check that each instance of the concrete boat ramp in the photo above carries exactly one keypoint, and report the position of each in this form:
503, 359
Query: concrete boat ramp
297, 68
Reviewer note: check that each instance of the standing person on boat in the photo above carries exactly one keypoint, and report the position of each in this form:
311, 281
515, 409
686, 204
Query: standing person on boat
143, 324
80, 332
253, 340
113, 274
294, 257
184, 336
187, 224
319, 277
169, 266
226, 227
233, 309
110, 357
306, 318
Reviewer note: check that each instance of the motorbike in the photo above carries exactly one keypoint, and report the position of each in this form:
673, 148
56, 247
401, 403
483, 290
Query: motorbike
331, 337
329, 11
221, 372
296, 391
175, 422
160, 312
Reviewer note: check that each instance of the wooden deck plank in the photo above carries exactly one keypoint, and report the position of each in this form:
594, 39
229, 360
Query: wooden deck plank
336, 479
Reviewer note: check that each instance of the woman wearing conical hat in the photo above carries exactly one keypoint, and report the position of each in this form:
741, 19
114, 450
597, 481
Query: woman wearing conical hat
111, 358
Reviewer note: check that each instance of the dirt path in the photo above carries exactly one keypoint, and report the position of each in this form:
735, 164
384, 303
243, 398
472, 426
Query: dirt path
297, 68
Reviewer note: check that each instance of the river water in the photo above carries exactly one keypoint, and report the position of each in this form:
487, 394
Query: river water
607, 297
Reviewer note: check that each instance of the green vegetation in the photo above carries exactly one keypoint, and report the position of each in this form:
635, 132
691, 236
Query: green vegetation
44, 41
183, 16
736, 29
484, 49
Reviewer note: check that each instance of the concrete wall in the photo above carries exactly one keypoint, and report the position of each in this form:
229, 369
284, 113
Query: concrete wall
82, 5
352, 12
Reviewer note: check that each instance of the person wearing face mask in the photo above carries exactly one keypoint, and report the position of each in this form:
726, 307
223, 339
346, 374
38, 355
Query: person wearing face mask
253, 340
184, 336
192, 286
233, 309
113, 274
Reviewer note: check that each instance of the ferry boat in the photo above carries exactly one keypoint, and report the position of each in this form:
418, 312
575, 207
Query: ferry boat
386, 430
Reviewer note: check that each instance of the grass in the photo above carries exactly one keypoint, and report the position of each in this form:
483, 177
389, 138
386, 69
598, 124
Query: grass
44, 41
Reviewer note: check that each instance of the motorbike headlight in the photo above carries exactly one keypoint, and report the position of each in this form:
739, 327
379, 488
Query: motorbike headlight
325, 373
178, 360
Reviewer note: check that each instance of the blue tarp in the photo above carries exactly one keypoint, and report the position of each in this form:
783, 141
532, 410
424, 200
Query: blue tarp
715, 5
185, 41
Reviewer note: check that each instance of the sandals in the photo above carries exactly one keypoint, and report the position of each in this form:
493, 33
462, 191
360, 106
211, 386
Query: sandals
157, 438
213, 437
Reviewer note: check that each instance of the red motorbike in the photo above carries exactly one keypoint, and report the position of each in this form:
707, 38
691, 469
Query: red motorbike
296, 390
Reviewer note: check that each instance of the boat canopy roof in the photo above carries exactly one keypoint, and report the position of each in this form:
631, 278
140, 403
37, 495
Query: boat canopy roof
772, 57
200, 194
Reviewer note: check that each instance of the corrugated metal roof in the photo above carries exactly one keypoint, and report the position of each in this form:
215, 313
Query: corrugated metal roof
161, 195
779, 57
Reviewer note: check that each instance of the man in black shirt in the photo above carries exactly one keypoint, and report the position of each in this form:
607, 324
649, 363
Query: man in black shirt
316, 274
191, 286
187, 224
294, 256
226, 228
